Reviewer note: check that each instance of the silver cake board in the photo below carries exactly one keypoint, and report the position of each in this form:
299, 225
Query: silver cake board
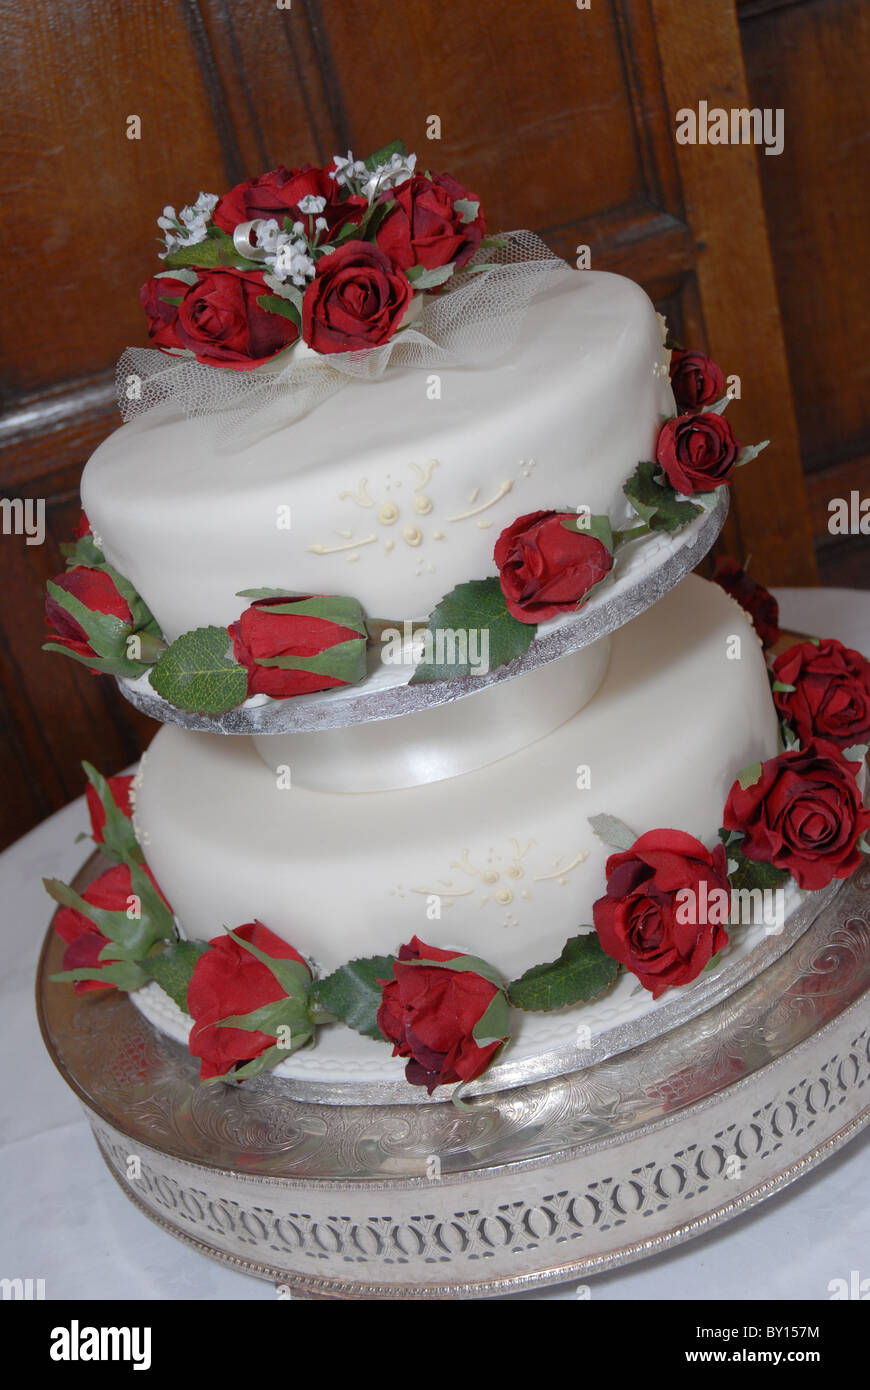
537, 1185
644, 571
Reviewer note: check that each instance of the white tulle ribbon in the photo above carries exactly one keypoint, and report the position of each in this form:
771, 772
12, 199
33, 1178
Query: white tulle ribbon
472, 322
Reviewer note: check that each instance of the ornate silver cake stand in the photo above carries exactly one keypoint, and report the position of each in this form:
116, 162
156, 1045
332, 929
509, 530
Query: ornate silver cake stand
536, 1185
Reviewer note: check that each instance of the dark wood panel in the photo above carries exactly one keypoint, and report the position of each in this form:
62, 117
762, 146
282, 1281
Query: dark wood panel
538, 111
701, 60
81, 198
811, 60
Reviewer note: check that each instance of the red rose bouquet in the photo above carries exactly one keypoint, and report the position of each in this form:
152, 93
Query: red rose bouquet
331, 255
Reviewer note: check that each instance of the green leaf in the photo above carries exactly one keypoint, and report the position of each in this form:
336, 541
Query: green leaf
384, 154
332, 608
287, 1020
123, 974
423, 279
173, 968
187, 277
461, 964
119, 840
750, 452
269, 593
265, 1062
598, 527
106, 634
467, 209
277, 304
612, 831
131, 937
781, 687
346, 661
656, 502
494, 1024
196, 672
352, 993
582, 973
143, 619
753, 873
83, 551
285, 290
217, 250
749, 775
478, 606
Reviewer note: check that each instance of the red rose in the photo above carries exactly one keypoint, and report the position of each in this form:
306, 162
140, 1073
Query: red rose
120, 789
645, 922
697, 451
424, 227
218, 318
429, 1015
804, 814
831, 696
229, 980
761, 606
317, 651
544, 568
357, 299
96, 590
160, 298
278, 195
82, 527
696, 380
111, 891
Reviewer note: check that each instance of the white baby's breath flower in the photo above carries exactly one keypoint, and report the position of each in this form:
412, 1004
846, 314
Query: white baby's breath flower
394, 171
349, 170
190, 226
266, 233
292, 261
311, 204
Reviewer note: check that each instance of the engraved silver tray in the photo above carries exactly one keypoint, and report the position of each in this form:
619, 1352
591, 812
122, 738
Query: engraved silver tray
644, 571
537, 1185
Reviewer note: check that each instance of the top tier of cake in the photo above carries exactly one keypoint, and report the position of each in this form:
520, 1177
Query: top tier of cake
394, 490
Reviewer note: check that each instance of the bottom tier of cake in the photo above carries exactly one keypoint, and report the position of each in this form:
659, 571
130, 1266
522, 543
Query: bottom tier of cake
500, 862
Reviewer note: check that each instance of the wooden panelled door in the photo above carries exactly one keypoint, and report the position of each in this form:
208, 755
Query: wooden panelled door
560, 115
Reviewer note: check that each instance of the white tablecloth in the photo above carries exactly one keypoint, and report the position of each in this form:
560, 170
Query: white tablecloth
65, 1220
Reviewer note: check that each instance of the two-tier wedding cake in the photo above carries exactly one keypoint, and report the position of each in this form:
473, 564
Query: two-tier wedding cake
459, 764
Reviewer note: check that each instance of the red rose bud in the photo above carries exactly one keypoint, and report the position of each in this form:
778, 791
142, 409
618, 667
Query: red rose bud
82, 527
96, 591
450, 1023
545, 568
804, 814
698, 452
425, 227
696, 380
218, 318
662, 913
110, 806
831, 695
356, 300
120, 791
761, 606
294, 645
278, 195
111, 891
227, 981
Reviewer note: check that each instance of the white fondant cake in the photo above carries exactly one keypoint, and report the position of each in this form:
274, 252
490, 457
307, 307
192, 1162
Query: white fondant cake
500, 862
394, 497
